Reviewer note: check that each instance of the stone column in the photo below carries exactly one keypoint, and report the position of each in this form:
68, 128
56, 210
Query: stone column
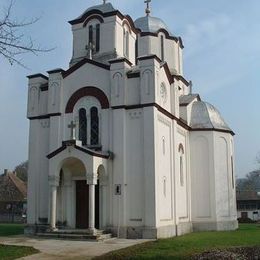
53, 207
92, 181
54, 183
91, 207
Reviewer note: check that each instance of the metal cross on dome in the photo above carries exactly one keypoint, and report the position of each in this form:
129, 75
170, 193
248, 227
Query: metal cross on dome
104, 2
148, 10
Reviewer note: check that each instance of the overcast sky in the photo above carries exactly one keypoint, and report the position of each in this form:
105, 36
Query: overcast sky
221, 57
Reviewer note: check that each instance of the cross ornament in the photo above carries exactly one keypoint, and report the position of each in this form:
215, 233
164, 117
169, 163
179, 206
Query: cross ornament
72, 126
104, 2
147, 10
90, 48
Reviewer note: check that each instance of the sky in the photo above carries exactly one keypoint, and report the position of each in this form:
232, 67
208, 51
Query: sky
221, 57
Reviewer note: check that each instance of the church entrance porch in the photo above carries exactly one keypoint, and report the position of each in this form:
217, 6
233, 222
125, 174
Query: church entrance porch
75, 195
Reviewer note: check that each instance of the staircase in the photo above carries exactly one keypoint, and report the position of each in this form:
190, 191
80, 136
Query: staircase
77, 234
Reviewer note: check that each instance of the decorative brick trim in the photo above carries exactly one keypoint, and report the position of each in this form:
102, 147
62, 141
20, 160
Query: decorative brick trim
171, 116
38, 75
87, 91
55, 71
44, 116
81, 63
94, 16
167, 36
149, 57
121, 60
84, 150
181, 78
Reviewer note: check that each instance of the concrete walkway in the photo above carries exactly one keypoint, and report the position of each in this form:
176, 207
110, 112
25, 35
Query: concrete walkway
64, 249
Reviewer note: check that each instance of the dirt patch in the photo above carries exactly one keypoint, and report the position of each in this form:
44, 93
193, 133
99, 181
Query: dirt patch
241, 253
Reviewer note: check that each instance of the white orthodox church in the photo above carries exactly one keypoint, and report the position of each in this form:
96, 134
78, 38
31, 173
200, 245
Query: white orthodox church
118, 142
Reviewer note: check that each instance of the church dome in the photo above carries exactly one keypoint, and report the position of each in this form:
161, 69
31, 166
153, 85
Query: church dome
151, 24
206, 116
104, 8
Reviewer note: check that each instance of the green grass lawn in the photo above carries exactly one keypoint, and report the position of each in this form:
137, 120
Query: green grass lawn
14, 252
11, 229
185, 246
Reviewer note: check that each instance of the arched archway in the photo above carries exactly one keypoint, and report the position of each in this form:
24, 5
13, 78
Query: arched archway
73, 195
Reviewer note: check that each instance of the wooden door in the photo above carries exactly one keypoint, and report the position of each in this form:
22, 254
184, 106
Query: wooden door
82, 205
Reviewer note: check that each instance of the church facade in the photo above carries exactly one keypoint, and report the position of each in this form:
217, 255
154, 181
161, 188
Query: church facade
119, 142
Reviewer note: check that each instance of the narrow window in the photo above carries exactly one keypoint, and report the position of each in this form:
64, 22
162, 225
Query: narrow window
126, 43
162, 48
163, 145
97, 37
90, 34
94, 126
83, 126
181, 171
181, 152
164, 186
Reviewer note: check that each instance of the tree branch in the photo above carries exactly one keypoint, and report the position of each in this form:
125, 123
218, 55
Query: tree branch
13, 42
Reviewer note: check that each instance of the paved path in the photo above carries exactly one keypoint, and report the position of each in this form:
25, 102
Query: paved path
65, 249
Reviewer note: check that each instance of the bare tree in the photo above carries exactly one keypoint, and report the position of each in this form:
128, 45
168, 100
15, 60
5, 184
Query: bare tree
13, 42
22, 171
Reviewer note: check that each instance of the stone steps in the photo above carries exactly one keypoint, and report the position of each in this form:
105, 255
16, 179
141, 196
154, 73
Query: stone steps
76, 235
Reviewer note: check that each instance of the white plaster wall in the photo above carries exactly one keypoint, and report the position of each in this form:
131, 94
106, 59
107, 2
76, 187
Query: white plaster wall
55, 93
87, 75
32, 195
225, 188
163, 98
38, 170
107, 37
148, 45
36, 104
134, 168
202, 177
164, 170
119, 167
133, 91
150, 163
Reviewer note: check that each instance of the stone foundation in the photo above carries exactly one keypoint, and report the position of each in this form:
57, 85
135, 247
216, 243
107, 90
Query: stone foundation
31, 230
151, 233
215, 226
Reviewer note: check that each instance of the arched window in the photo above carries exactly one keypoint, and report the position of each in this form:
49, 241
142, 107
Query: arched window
97, 37
162, 48
181, 152
94, 37
94, 139
126, 43
90, 34
83, 126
